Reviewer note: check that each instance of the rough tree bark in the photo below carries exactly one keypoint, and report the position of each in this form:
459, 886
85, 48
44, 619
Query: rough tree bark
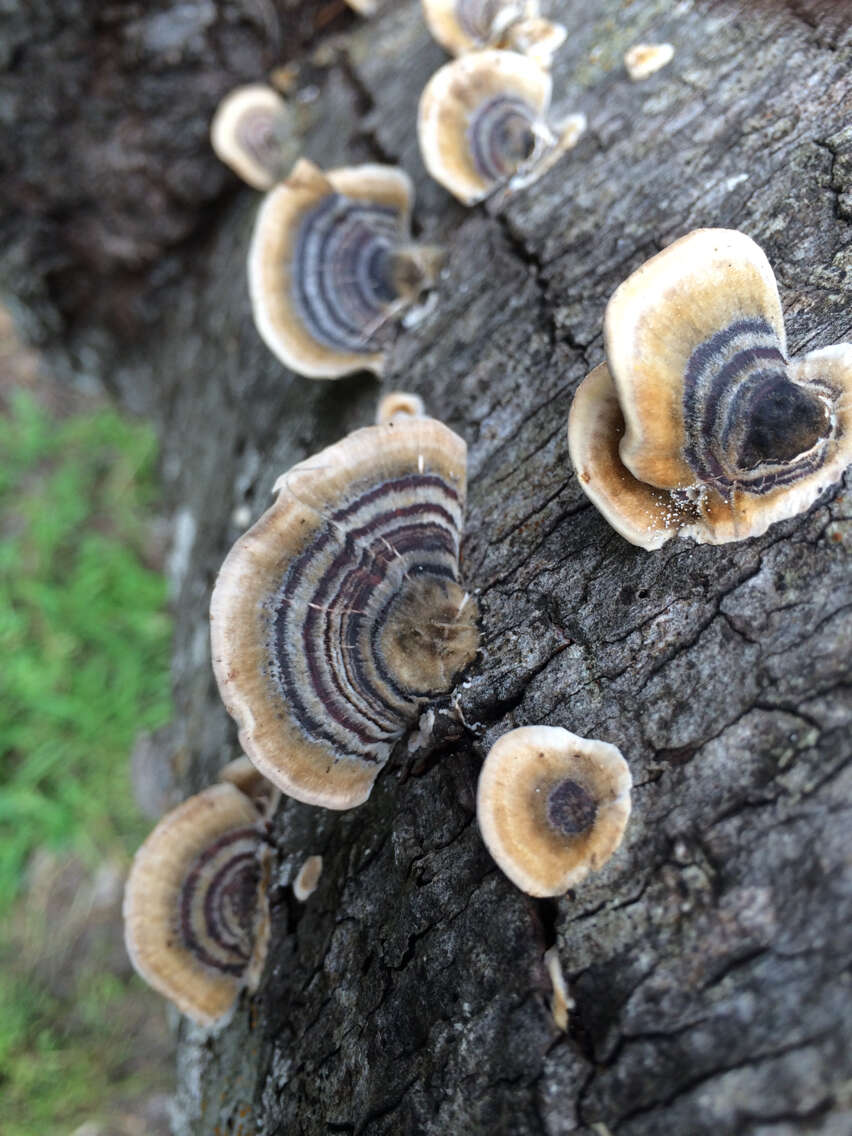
408, 995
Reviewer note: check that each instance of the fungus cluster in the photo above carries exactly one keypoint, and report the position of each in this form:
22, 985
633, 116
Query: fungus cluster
482, 125
552, 806
340, 613
331, 263
698, 425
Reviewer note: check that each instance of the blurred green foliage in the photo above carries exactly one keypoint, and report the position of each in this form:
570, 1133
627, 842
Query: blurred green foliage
85, 643
57, 1073
84, 632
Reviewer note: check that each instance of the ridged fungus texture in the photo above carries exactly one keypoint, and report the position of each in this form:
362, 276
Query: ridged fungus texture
340, 614
698, 424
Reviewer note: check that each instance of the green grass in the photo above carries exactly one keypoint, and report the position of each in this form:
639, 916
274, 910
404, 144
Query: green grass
56, 1073
85, 643
84, 634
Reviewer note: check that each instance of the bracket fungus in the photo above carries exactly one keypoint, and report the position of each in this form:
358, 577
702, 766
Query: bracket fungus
196, 919
461, 26
340, 613
331, 265
697, 424
552, 806
253, 132
482, 125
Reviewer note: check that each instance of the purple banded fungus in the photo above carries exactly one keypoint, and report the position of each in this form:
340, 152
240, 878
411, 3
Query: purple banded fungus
196, 920
331, 267
482, 125
698, 425
340, 613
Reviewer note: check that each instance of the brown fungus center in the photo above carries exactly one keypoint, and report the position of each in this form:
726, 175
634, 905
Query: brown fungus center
430, 634
413, 269
571, 809
516, 141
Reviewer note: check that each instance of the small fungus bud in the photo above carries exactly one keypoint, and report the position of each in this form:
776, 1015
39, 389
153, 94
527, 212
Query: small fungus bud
643, 60
399, 404
561, 1002
552, 806
305, 883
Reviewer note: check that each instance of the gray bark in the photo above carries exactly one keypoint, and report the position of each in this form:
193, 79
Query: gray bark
707, 959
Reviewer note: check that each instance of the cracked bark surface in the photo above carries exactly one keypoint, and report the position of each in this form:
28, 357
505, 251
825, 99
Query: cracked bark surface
708, 959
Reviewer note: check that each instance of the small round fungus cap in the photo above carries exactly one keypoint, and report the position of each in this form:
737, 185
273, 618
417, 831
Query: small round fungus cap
552, 806
645, 59
399, 404
462, 26
196, 920
307, 878
482, 125
253, 132
698, 424
338, 616
331, 265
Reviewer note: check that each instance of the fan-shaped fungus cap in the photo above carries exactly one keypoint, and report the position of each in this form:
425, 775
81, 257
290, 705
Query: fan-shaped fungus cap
196, 922
253, 132
307, 878
551, 806
482, 125
461, 26
331, 264
643, 60
399, 404
338, 615
698, 424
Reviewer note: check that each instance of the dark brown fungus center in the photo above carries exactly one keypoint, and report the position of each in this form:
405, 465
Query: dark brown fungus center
516, 140
784, 420
407, 274
571, 810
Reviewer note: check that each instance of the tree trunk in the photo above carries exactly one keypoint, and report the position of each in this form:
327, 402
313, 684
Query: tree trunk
408, 995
